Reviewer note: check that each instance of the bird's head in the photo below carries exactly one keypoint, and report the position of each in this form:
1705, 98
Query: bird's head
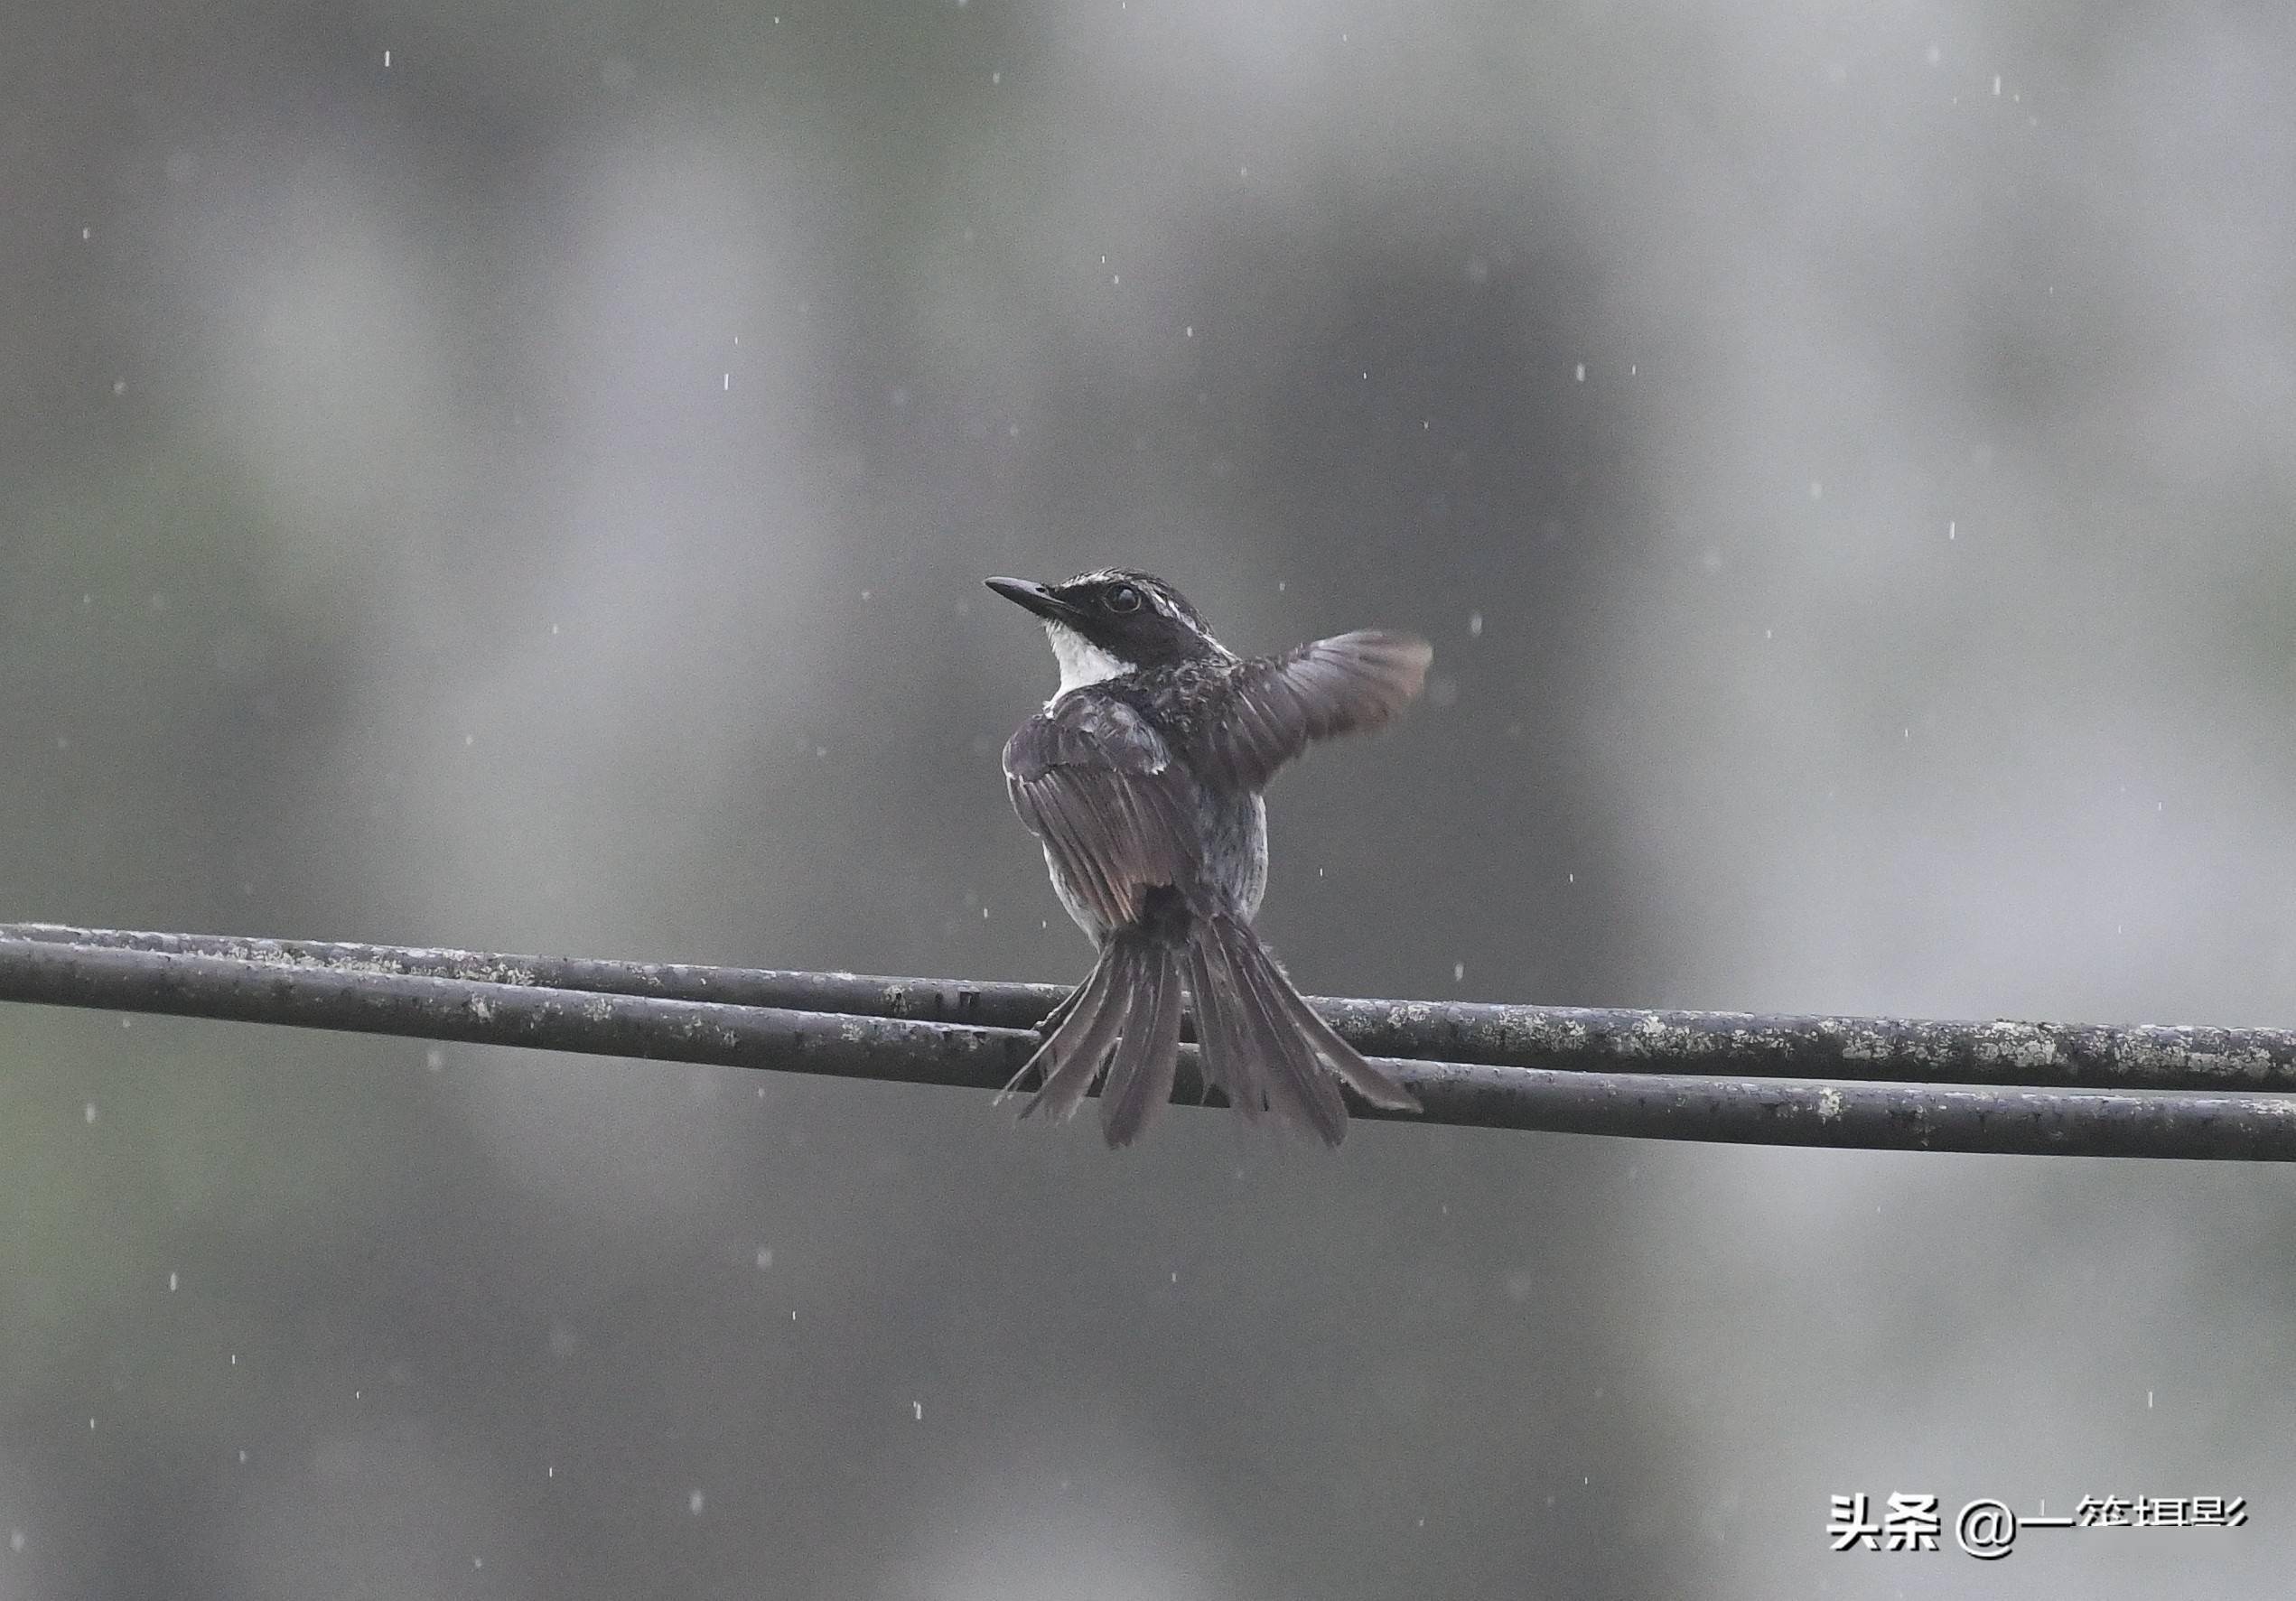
1104, 624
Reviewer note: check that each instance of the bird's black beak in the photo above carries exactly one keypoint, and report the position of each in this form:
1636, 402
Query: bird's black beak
1034, 597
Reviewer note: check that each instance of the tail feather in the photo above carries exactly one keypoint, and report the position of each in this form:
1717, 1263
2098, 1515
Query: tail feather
1075, 1015
1222, 1045
1140, 1074
1297, 1089
1095, 1027
1373, 1083
1263, 1043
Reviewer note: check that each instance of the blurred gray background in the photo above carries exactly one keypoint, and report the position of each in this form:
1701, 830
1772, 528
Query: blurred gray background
519, 477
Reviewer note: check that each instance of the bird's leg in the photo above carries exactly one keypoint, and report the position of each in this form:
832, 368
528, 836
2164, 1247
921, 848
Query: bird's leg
1044, 1030
1060, 1013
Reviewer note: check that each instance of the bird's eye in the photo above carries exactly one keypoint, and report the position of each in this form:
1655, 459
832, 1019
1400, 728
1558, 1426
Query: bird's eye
1123, 598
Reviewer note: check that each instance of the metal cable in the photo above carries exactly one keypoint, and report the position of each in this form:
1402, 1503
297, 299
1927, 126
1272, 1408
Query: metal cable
1688, 1076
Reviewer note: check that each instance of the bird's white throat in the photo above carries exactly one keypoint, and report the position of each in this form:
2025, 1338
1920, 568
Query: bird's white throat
1081, 661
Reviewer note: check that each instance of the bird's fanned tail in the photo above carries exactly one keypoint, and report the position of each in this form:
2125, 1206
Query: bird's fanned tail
1129, 1002
1073, 1053
1140, 1074
1375, 1084
1075, 1021
1277, 1070
1265, 1047
1260, 1042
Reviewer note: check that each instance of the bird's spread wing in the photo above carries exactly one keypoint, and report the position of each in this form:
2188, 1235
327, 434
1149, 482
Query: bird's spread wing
1333, 687
1100, 788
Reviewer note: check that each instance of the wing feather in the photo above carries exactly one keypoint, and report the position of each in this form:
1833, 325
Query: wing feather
1098, 786
1280, 703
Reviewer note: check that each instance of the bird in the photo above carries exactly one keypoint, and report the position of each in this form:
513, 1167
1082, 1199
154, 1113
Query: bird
1142, 779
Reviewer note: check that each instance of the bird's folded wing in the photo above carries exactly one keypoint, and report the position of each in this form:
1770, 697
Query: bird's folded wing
1098, 786
1334, 687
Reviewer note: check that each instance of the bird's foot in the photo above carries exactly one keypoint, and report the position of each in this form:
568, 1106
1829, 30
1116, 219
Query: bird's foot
1060, 1013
